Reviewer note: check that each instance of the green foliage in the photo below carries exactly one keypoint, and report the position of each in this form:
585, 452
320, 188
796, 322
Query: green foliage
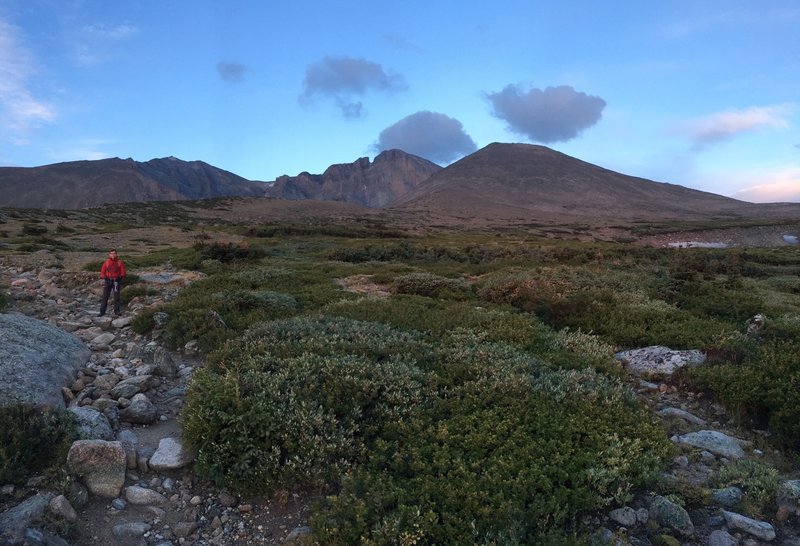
758, 480
33, 440
136, 291
763, 387
228, 252
432, 286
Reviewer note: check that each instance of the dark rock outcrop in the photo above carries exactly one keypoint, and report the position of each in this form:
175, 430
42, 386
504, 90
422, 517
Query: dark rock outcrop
393, 173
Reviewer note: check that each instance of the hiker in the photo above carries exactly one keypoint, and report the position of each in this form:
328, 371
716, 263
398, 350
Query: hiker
112, 272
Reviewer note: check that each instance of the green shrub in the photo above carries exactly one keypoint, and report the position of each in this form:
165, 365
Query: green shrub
33, 440
758, 480
432, 286
228, 252
131, 292
31, 229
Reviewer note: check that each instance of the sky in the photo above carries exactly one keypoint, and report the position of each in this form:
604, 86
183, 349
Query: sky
705, 94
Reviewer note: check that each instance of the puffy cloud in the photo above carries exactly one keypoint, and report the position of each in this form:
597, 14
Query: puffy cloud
231, 71
431, 135
555, 114
727, 125
20, 110
344, 79
782, 185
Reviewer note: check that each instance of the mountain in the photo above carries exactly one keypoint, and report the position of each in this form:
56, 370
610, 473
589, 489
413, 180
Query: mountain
526, 182
392, 174
80, 184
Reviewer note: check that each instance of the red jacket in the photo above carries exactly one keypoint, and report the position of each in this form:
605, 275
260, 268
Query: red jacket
112, 269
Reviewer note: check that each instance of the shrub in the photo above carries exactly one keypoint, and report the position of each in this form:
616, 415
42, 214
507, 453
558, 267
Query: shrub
758, 480
33, 440
432, 286
228, 252
31, 229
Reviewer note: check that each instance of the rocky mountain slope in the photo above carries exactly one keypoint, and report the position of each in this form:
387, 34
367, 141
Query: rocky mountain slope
392, 174
81, 184
525, 182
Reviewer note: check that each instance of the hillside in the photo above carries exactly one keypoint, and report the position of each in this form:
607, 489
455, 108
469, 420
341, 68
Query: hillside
391, 175
81, 184
524, 182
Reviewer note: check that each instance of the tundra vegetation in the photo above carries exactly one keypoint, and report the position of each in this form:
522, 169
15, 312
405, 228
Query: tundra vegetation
474, 398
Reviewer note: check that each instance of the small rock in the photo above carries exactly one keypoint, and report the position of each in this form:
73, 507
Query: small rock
143, 496
625, 516
713, 441
670, 515
722, 538
171, 455
184, 528
130, 530
140, 411
100, 464
759, 529
227, 500
61, 507
119, 504
92, 425
728, 497
298, 534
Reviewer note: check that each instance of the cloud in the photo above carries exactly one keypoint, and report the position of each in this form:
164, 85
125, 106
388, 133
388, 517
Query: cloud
782, 185
93, 44
20, 110
231, 71
344, 79
726, 125
555, 114
431, 135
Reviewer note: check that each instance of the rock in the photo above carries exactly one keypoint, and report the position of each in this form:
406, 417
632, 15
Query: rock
121, 322
227, 500
130, 530
759, 529
789, 495
127, 388
625, 516
101, 342
140, 411
755, 325
298, 534
100, 464
62, 508
685, 415
119, 504
728, 497
184, 528
665, 540
722, 538
671, 516
106, 382
143, 496
159, 357
714, 441
658, 360
36, 361
129, 441
170, 455
92, 425
14, 520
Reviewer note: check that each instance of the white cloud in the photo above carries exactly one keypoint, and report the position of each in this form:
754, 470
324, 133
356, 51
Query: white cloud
780, 185
20, 110
731, 123
92, 44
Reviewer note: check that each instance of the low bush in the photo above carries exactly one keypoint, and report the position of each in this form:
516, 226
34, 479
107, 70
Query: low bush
432, 286
31, 229
33, 440
758, 480
229, 252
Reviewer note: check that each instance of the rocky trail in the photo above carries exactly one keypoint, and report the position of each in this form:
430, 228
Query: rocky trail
132, 481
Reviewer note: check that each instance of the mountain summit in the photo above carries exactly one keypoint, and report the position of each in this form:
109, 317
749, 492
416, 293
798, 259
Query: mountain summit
524, 182
80, 184
392, 174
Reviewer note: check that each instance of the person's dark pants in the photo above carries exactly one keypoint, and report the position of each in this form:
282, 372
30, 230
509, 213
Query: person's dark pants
111, 286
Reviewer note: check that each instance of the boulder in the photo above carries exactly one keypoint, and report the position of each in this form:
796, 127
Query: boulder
171, 455
100, 464
36, 361
127, 388
671, 516
722, 538
14, 520
141, 411
142, 496
658, 360
759, 529
92, 424
714, 441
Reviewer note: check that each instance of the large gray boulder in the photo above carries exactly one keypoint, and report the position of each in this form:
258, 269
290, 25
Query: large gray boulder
36, 361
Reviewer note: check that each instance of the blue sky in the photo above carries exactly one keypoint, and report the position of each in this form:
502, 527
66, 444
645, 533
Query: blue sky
703, 94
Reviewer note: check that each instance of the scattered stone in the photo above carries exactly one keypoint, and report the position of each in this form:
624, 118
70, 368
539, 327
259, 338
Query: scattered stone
119, 504
100, 464
728, 497
92, 425
140, 411
714, 441
683, 414
62, 508
299, 534
143, 496
227, 500
171, 455
759, 529
127, 388
101, 342
658, 360
122, 322
625, 516
722, 538
130, 530
672, 516
129, 441
183, 529
14, 520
